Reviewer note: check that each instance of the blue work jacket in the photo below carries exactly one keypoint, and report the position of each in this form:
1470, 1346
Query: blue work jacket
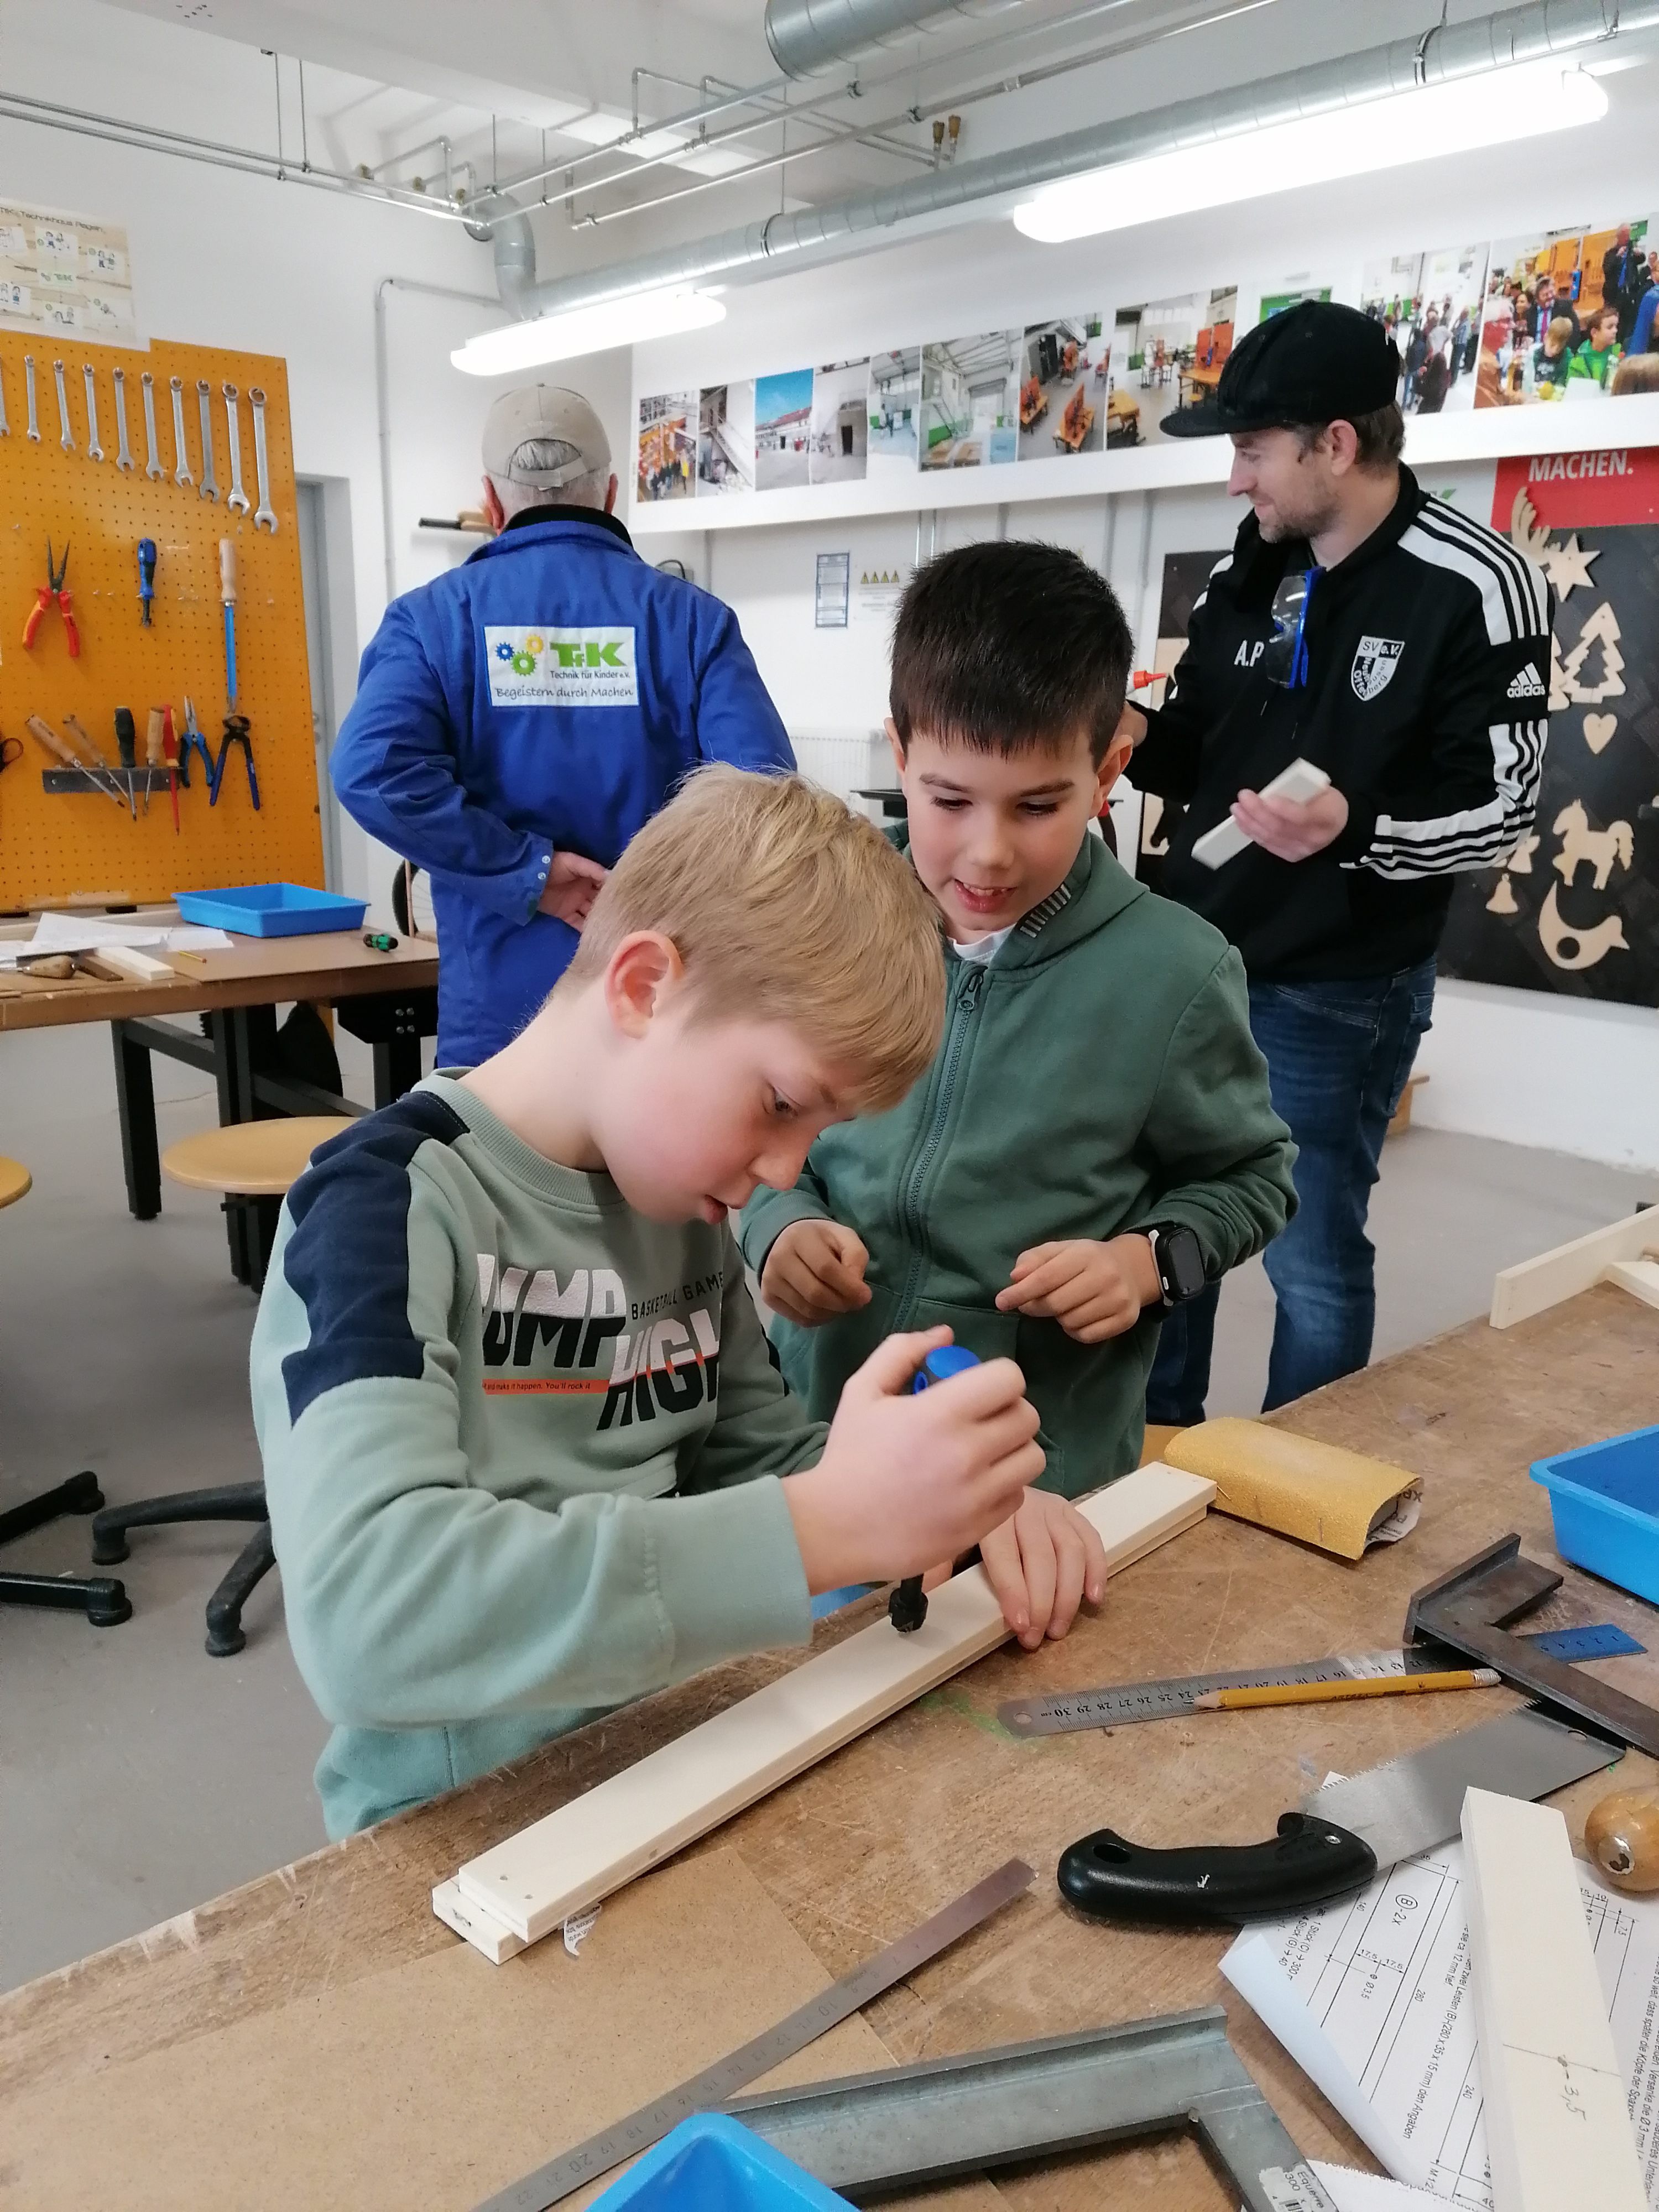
548, 694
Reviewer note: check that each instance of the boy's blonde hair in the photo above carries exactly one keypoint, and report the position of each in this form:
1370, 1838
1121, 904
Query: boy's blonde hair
785, 906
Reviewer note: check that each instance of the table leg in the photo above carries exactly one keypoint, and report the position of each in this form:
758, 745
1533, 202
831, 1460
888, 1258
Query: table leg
396, 1067
135, 1100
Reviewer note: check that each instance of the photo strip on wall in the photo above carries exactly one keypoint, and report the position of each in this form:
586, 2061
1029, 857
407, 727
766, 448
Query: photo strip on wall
1563, 317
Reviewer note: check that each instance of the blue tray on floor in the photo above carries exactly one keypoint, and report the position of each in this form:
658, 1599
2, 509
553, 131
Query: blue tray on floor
1604, 1502
272, 909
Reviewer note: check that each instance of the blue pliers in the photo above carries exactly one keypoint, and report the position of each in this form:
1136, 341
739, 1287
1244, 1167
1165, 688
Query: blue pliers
191, 740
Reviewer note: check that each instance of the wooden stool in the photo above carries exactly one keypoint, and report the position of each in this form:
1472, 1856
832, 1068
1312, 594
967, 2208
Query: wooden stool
102, 1600
252, 1164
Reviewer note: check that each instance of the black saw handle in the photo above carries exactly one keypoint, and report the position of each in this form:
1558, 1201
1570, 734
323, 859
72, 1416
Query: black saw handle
1212, 1884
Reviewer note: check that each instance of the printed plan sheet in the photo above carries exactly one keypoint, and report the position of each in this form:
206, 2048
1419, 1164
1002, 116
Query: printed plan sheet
1386, 1977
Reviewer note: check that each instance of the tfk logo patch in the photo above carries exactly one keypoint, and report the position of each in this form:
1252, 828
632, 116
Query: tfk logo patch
1375, 661
533, 667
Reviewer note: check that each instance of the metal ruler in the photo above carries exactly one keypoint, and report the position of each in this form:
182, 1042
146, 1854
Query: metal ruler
706, 2091
1120, 1704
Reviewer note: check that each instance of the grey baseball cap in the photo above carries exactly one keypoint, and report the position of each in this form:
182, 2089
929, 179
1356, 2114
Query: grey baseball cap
543, 411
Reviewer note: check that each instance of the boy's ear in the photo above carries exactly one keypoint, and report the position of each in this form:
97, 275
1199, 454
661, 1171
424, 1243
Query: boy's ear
636, 974
1118, 758
891, 728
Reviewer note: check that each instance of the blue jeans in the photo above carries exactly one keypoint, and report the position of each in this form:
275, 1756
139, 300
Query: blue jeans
1338, 1055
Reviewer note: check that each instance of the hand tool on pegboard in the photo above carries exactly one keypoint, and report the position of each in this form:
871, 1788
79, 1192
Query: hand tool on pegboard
11, 748
191, 740
157, 732
238, 732
124, 451
181, 474
95, 451
49, 741
210, 489
67, 439
126, 744
264, 516
5, 427
146, 579
236, 499
28, 386
45, 594
153, 466
227, 598
92, 755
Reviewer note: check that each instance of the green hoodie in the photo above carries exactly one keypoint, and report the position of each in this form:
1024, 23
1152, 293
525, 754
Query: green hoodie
1098, 1077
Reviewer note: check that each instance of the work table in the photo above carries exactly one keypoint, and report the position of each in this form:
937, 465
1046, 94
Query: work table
858, 1849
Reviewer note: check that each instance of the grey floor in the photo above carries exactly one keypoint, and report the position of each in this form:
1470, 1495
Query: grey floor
137, 1776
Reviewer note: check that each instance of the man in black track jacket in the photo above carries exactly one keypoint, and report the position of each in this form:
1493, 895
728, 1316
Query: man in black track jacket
1367, 628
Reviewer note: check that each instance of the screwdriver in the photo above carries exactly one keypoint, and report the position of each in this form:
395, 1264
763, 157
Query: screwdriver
94, 761
155, 737
126, 745
146, 578
227, 594
46, 737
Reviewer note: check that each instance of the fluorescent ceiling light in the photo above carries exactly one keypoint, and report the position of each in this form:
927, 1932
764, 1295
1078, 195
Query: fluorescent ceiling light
638, 315
1489, 110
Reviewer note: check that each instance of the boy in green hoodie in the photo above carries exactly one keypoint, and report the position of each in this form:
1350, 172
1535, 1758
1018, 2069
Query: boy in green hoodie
1095, 1140
525, 1456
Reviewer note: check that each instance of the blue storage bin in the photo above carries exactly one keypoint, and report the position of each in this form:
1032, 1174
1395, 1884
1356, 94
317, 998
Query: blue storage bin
712, 2164
1604, 1501
272, 909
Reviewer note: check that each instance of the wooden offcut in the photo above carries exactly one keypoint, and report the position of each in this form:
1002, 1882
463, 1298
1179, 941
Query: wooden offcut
596, 1843
1557, 2133
1535, 1285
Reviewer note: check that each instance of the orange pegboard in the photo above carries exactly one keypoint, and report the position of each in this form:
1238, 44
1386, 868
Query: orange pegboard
53, 846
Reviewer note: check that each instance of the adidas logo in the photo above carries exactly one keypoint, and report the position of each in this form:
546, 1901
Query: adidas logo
1529, 684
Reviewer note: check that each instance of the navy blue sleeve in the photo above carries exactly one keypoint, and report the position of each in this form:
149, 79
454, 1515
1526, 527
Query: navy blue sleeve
347, 1255
394, 768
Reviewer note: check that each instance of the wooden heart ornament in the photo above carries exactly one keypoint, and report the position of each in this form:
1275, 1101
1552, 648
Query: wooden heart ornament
1598, 731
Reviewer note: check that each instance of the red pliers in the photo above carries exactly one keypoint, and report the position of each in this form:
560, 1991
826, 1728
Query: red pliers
44, 595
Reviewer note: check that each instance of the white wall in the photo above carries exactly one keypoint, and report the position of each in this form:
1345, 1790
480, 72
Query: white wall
231, 260
1519, 1066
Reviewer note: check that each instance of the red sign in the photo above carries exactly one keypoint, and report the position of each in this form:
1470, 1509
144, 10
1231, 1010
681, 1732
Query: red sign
1573, 491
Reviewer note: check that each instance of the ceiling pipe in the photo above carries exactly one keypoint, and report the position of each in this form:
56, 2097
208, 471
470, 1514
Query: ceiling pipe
808, 38
945, 197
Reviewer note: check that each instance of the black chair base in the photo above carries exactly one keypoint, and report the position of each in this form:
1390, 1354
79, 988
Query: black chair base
232, 1501
103, 1599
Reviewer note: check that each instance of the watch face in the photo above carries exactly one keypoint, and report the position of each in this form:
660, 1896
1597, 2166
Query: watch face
1183, 1262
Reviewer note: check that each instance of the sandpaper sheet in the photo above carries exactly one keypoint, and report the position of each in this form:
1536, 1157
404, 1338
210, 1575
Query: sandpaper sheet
439, 2082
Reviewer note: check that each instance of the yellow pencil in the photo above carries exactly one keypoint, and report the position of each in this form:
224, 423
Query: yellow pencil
1325, 1693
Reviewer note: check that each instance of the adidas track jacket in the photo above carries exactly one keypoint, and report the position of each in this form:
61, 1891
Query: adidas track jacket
1428, 676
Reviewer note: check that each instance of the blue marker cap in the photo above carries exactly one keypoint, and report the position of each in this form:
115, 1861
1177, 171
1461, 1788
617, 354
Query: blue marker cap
938, 1366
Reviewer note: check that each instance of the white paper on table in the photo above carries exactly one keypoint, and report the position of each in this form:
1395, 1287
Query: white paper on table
1385, 1976
70, 932
1252, 1967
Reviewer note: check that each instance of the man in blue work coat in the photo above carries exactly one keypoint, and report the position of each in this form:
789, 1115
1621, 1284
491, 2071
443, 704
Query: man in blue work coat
518, 720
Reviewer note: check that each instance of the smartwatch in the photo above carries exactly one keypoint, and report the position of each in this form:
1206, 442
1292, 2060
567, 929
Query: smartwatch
1180, 1263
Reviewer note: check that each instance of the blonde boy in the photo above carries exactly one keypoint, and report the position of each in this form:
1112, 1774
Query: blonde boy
525, 1455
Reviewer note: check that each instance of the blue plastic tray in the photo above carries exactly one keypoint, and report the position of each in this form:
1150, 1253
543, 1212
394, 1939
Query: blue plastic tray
1604, 1501
272, 909
712, 2164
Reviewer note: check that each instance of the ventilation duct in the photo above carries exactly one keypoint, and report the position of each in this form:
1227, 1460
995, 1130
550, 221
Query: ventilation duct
966, 193
809, 38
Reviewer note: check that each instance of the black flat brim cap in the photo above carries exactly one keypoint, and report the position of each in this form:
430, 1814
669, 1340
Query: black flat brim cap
1316, 362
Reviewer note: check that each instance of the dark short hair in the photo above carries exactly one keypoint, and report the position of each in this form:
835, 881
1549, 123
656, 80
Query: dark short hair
1382, 435
1004, 647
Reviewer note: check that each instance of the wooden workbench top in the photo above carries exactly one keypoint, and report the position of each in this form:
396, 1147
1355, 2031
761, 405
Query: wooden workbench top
858, 1849
254, 971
